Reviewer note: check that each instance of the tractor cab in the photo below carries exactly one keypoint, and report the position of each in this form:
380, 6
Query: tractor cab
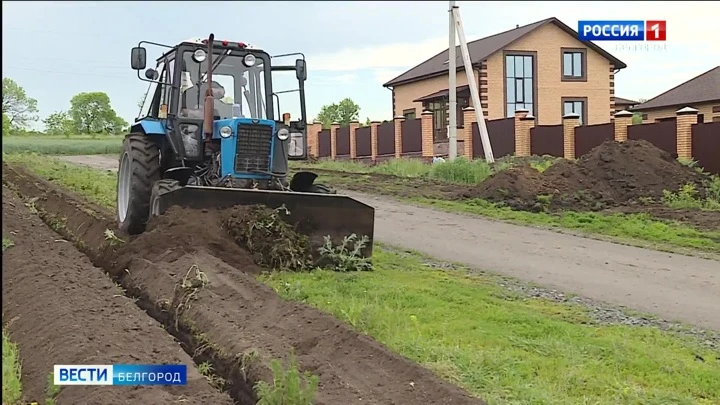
214, 102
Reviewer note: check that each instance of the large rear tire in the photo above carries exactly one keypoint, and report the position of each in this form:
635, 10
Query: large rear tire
139, 170
161, 188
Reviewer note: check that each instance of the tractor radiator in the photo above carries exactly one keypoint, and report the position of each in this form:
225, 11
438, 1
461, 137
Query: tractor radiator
253, 150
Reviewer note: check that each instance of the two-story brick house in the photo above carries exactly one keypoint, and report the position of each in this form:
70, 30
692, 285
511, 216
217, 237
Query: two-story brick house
541, 67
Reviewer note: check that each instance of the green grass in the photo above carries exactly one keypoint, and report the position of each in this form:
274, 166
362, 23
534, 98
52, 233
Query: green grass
459, 171
687, 197
496, 344
60, 145
631, 228
99, 186
504, 348
11, 386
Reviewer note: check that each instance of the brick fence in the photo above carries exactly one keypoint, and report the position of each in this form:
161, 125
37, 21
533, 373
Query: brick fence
519, 136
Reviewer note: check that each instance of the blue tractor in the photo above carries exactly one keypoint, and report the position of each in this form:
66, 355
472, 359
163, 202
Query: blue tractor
200, 145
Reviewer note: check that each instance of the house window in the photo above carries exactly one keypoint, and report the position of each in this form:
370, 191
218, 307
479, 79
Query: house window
440, 120
576, 106
574, 65
409, 114
519, 83
462, 103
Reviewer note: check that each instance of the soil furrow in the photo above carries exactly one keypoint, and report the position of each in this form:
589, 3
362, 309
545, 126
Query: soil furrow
234, 320
60, 309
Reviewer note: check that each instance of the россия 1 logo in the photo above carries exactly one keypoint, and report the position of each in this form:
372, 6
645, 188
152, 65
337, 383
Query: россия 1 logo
630, 30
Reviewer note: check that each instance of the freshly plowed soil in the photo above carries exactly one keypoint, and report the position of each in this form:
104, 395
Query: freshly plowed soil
204, 285
612, 174
60, 309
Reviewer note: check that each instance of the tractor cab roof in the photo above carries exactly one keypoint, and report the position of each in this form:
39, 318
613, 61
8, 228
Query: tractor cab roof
217, 44
221, 43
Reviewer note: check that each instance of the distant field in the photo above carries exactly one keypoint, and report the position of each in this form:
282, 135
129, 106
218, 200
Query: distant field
61, 145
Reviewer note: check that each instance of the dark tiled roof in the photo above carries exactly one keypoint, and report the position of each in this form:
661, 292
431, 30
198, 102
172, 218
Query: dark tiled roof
624, 101
703, 88
482, 48
442, 93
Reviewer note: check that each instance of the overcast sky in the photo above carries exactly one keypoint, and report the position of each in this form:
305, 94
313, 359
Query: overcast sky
56, 50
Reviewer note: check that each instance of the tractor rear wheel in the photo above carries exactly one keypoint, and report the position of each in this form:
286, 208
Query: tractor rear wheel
161, 188
138, 172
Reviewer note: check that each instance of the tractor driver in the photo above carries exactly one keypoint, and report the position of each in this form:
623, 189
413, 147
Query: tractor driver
222, 109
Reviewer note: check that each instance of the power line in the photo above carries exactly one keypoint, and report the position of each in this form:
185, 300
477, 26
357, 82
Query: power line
87, 64
65, 73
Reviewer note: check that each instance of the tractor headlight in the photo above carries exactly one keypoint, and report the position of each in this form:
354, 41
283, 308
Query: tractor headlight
226, 132
249, 60
199, 56
283, 134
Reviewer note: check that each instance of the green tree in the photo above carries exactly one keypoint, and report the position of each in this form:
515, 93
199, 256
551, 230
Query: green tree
59, 123
5, 125
343, 113
91, 113
17, 108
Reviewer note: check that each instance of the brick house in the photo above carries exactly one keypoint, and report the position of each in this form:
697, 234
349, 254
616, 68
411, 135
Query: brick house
701, 92
624, 103
541, 67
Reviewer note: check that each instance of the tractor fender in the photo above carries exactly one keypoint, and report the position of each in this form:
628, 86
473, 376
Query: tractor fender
149, 127
302, 181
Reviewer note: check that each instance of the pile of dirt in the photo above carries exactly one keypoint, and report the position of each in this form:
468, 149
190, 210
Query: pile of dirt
252, 238
613, 174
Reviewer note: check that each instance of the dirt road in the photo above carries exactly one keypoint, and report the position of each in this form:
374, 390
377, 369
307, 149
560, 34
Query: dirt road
675, 287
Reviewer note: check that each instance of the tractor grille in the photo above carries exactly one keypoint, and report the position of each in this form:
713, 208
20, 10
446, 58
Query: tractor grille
253, 148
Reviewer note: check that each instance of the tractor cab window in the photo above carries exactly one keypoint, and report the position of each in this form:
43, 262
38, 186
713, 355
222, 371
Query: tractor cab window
146, 104
232, 83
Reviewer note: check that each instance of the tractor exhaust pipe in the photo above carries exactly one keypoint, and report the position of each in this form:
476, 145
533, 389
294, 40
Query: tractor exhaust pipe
209, 99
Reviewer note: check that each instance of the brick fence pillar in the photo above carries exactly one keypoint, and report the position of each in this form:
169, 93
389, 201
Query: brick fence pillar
468, 120
527, 123
333, 140
570, 122
373, 139
313, 142
354, 125
398, 135
426, 124
686, 118
623, 119
522, 137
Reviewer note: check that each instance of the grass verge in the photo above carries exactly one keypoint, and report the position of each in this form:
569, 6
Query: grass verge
497, 344
459, 171
60, 145
11, 386
634, 229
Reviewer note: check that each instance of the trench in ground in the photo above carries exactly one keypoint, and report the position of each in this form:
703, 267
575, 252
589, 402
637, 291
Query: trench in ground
238, 374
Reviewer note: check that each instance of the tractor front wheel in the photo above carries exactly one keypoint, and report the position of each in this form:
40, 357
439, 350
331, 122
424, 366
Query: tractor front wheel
139, 170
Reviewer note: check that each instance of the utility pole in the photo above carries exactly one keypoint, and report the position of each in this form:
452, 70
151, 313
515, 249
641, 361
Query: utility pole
472, 82
452, 86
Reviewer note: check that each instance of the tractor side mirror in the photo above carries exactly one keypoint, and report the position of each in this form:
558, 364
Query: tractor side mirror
138, 58
297, 146
301, 70
151, 74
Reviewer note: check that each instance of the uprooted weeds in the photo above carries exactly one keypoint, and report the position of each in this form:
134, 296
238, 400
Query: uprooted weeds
276, 244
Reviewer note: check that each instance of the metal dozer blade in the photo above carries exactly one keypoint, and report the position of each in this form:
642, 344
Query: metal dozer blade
315, 215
